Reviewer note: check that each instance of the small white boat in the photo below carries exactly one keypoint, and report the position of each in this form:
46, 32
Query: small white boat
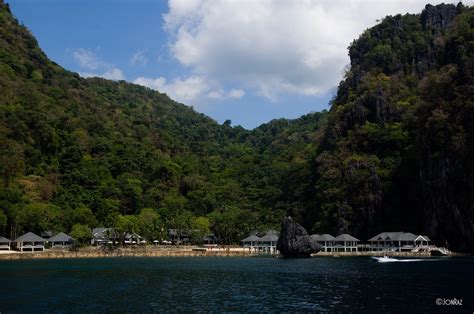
384, 259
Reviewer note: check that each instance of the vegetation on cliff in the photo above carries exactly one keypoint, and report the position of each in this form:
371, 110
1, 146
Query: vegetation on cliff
398, 150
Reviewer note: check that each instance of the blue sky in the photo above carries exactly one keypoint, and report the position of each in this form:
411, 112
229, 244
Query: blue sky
247, 61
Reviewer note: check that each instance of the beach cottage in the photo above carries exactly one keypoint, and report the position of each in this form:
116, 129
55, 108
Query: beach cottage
30, 241
251, 242
5, 244
345, 243
325, 241
398, 242
103, 236
210, 240
61, 241
266, 244
134, 238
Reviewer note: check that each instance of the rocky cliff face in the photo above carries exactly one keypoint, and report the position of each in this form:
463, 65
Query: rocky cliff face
439, 16
397, 153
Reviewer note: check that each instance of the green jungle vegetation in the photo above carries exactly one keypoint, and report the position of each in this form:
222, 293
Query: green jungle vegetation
395, 150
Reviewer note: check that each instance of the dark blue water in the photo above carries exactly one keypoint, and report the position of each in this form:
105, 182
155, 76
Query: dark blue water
356, 284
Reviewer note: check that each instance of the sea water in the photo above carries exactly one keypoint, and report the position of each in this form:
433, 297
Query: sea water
235, 284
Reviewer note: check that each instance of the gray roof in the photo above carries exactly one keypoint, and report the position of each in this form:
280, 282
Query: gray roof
396, 236
268, 238
132, 236
345, 237
101, 232
426, 237
322, 237
251, 238
4, 240
210, 237
30, 237
61, 237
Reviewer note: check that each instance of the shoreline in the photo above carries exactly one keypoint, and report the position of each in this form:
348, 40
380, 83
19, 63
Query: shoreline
123, 252
184, 252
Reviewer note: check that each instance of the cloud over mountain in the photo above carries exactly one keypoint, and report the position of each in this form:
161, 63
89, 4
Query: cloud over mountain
272, 47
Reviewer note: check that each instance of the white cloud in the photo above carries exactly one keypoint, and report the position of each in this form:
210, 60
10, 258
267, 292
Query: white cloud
236, 93
273, 47
87, 59
232, 94
138, 58
183, 90
112, 74
90, 61
192, 90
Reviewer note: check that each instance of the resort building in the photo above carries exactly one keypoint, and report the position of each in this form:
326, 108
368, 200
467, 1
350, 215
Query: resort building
61, 241
398, 242
103, 236
30, 241
5, 244
178, 236
325, 241
250, 242
134, 238
268, 243
264, 245
210, 240
345, 243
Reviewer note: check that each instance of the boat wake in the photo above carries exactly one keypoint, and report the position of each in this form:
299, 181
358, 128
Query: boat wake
386, 259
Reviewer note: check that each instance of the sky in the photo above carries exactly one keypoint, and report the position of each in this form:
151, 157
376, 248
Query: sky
248, 61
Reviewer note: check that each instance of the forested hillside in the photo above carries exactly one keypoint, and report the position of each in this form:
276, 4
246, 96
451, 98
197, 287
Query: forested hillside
394, 153
90, 152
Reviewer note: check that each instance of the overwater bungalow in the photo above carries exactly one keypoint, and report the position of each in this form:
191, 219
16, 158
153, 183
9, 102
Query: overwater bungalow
345, 243
398, 242
5, 244
61, 241
30, 241
326, 241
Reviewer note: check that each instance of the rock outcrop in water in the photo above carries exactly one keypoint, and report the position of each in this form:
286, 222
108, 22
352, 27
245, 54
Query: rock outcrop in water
294, 241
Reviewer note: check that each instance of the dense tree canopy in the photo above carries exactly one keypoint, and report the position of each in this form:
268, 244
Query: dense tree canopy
81, 153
